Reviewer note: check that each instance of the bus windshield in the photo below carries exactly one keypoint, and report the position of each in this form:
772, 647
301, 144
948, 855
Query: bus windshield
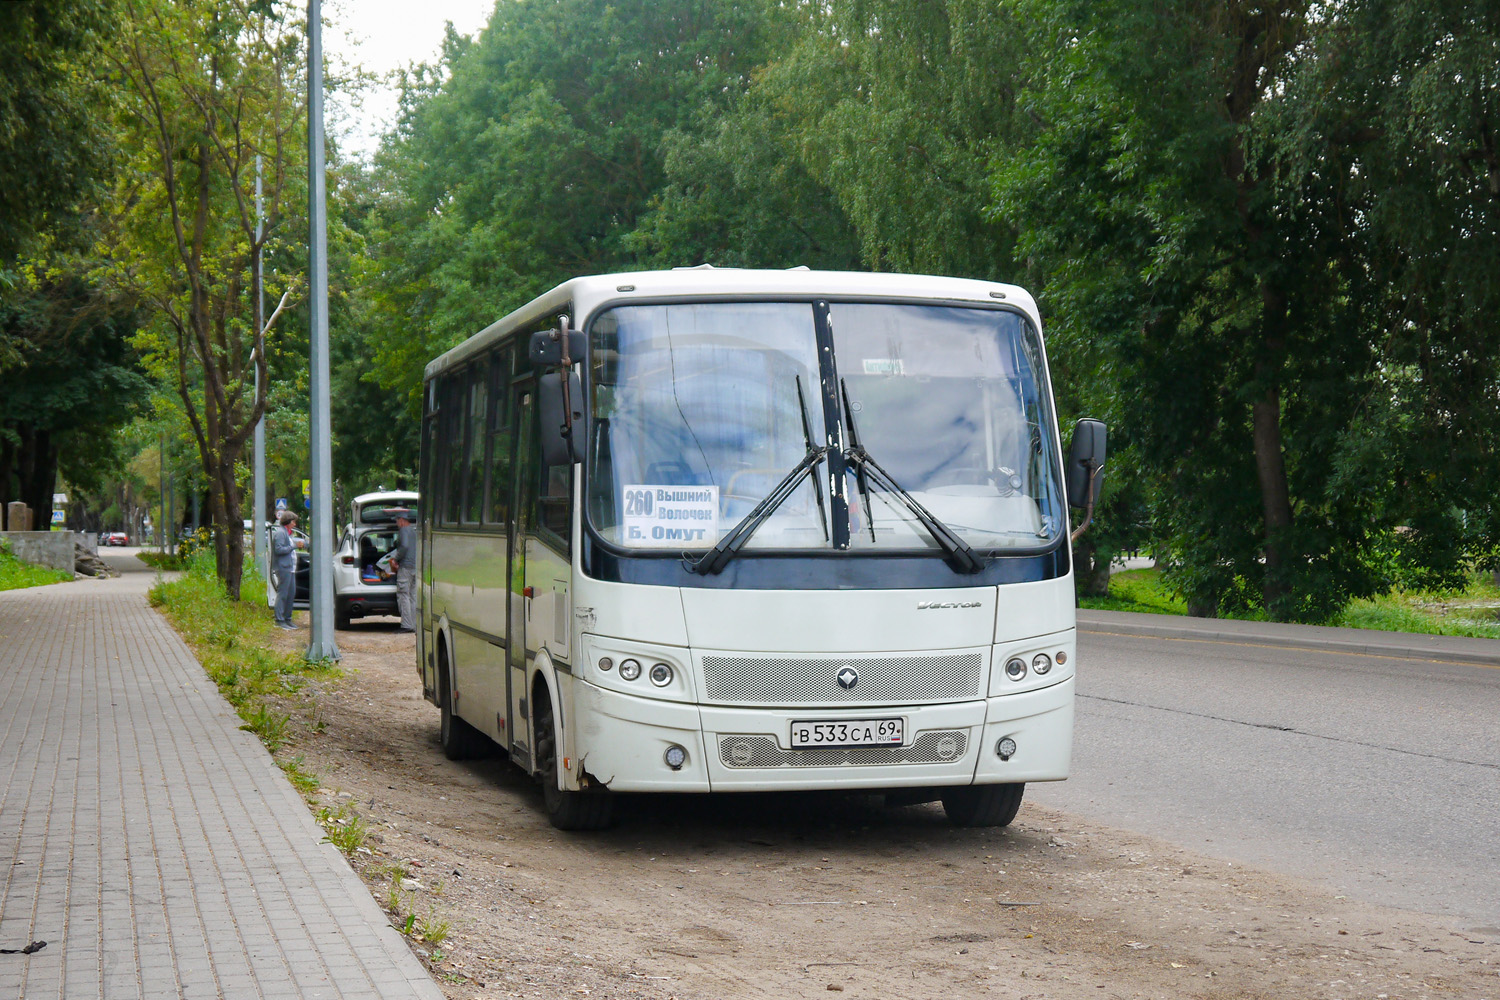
700, 410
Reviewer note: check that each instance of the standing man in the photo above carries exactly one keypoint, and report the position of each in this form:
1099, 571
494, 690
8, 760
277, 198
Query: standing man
284, 562
404, 558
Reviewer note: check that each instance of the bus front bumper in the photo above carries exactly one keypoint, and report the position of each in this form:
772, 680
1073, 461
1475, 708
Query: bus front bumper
625, 740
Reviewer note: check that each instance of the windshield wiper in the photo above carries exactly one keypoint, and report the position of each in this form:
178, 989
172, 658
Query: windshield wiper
808, 441
861, 477
958, 553
715, 559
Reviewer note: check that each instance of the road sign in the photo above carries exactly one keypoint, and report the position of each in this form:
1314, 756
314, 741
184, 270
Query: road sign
307, 494
281, 503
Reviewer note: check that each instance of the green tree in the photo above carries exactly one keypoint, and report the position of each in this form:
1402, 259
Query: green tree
1207, 274
52, 143
529, 155
72, 383
204, 90
1402, 100
897, 108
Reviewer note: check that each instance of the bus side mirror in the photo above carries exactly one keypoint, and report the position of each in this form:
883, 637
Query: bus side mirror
1086, 462
561, 431
546, 346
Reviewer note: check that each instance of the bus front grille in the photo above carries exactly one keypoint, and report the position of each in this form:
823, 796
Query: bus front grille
936, 746
889, 680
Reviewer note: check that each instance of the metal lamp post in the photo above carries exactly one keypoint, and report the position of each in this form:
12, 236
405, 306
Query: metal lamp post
322, 644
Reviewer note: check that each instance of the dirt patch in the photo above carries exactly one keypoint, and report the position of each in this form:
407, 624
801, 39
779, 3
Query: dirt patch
804, 895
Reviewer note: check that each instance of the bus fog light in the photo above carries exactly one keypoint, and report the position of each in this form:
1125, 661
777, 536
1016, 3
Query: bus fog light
661, 675
1006, 748
630, 669
1041, 663
1015, 668
675, 757
605, 663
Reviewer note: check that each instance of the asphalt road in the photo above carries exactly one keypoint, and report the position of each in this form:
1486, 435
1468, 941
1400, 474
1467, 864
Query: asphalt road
1377, 776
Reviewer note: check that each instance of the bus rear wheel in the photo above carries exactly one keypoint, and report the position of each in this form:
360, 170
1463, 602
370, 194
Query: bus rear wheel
460, 740
983, 805
566, 810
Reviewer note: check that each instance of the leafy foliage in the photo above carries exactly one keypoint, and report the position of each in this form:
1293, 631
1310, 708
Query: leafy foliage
207, 93
52, 145
529, 155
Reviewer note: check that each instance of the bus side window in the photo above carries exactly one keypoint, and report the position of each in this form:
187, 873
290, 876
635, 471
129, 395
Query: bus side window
475, 441
502, 439
554, 508
452, 461
425, 461
552, 503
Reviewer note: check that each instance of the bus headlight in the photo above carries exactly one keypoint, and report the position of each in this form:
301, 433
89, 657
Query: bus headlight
661, 675
1015, 668
630, 669
1041, 663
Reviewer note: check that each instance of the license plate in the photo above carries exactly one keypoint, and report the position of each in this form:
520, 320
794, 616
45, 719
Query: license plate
848, 733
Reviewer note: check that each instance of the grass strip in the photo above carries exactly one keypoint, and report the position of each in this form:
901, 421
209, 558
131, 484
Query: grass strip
1473, 612
16, 574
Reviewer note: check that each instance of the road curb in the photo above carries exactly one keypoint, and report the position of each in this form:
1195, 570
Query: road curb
1367, 642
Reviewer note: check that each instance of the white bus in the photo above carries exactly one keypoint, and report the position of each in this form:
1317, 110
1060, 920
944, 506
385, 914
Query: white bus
775, 530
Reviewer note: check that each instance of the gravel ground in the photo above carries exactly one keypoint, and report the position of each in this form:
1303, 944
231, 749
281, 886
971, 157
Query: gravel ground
807, 895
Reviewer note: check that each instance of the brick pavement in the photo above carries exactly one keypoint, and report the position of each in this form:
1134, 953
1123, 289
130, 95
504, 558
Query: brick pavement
153, 845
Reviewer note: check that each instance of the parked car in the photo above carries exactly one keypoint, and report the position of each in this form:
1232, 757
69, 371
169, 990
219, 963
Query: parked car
362, 583
117, 538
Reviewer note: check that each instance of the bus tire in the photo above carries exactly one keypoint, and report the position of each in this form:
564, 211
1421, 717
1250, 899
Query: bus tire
566, 810
460, 740
983, 805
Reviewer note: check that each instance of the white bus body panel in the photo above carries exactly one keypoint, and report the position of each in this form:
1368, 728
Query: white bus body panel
624, 728
841, 621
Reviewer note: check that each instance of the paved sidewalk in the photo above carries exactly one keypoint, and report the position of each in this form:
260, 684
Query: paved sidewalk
153, 845
1447, 648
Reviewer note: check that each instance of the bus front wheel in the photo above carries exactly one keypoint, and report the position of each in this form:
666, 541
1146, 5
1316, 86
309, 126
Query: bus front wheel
983, 805
567, 810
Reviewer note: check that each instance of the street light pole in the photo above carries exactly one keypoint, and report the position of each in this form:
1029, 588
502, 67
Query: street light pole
161, 495
258, 493
320, 598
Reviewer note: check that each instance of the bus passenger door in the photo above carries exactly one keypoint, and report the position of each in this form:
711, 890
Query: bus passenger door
518, 658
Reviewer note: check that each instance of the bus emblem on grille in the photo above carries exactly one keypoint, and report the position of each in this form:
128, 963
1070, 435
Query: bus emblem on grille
848, 677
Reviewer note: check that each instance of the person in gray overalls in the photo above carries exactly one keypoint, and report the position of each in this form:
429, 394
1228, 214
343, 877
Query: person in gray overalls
404, 558
284, 566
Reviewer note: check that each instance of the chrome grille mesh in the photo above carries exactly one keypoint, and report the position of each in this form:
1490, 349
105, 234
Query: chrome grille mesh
887, 680
936, 746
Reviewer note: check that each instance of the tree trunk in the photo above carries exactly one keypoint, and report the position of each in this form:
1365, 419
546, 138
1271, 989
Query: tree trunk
1090, 570
38, 475
228, 527
1097, 585
1270, 465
